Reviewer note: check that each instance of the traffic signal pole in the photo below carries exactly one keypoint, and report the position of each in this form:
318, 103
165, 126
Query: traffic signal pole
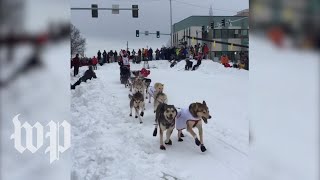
171, 28
94, 8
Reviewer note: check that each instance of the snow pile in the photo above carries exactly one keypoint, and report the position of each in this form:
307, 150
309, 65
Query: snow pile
108, 144
50, 102
40, 95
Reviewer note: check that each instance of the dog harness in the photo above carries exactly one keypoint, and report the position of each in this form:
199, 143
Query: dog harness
151, 91
183, 117
168, 124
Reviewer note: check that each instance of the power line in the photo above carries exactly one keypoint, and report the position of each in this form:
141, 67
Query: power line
204, 7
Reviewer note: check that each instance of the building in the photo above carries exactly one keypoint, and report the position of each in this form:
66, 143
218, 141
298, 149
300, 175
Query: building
236, 31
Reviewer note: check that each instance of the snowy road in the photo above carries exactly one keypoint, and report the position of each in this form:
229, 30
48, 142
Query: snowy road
108, 144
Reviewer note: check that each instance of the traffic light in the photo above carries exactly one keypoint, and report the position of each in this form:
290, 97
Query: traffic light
135, 11
202, 29
212, 25
158, 34
94, 10
223, 22
137, 33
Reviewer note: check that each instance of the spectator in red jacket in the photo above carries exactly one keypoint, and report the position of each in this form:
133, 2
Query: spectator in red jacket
76, 64
205, 51
94, 63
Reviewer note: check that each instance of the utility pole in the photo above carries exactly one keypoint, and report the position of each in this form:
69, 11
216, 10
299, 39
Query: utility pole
127, 46
171, 22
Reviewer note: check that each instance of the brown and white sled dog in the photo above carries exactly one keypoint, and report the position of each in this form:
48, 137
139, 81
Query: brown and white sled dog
137, 102
191, 117
165, 119
138, 85
159, 98
154, 90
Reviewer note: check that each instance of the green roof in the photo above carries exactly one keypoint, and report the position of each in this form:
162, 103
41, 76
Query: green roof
206, 21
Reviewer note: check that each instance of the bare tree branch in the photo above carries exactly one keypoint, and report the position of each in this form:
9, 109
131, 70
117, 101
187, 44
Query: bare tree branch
78, 43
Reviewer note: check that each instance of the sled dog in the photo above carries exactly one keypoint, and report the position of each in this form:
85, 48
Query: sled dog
160, 98
154, 90
137, 102
138, 85
191, 117
165, 119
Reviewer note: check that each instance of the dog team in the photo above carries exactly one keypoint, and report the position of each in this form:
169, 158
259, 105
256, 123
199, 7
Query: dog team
167, 117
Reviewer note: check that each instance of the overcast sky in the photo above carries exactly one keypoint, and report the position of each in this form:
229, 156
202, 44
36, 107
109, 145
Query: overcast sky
110, 31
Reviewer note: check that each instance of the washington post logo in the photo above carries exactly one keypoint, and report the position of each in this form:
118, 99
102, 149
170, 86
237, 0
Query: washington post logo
54, 149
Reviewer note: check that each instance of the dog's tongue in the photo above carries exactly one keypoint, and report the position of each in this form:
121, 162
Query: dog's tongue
205, 120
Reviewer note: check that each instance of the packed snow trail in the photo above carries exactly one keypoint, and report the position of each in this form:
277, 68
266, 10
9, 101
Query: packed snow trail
108, 144
112, 144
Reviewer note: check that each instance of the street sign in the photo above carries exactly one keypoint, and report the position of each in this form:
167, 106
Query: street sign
115, 8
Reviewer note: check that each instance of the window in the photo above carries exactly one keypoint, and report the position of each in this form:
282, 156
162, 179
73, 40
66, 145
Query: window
224, 33
237, 33
218, 54
244, 33
217, 33
231, 33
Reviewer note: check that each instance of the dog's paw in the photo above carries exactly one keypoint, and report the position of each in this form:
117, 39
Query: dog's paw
169, 143
141, 114
203, 148
155, 132
180, 139
182, 135
136, 116
197, 142
130, 114
162, 147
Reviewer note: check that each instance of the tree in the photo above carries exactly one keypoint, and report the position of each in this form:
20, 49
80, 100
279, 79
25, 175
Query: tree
78, 43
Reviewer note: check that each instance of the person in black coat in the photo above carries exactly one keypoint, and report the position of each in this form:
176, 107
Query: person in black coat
99, 55
89, 74
115, 54
188, 64
104, 57
76, 64
150, 52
